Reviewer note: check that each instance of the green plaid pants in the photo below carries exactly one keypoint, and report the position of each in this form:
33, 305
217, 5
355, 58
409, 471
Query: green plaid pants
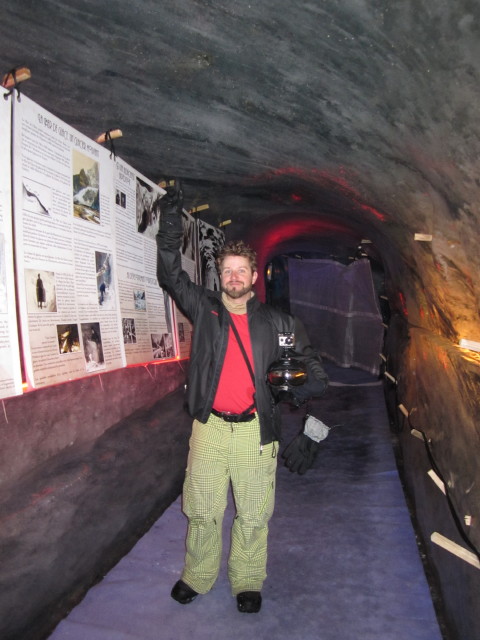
220, 453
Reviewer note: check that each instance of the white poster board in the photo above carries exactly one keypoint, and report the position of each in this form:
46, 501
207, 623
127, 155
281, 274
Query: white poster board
10, 373
189, 251
64, 236
146, 311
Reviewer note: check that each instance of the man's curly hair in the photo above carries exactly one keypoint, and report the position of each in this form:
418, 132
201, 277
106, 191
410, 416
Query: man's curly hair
237, 248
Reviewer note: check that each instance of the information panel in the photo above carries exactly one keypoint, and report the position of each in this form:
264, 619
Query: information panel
189, 252
147, 312
10, 373
64, 234
78, 257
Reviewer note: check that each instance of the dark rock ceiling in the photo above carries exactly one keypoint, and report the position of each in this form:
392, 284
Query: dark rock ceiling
308, 124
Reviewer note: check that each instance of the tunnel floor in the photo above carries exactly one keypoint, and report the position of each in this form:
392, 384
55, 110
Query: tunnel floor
343, 560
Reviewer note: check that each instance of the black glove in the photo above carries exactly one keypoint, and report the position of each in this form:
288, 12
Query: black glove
172, 201
297, 396
300, 453
300, 395
311, 389
286, 395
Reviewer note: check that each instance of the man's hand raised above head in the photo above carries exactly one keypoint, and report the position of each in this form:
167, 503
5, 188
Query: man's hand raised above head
172, 201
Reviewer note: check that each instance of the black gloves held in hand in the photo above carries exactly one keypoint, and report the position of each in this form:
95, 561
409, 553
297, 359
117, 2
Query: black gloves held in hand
297, 396
300, 453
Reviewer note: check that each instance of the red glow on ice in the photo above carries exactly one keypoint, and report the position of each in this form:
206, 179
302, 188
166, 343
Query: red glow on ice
271, 240
403, 303
297, 228
27, 387
442, 357
36, 497
325, 180
155, 362
373, 211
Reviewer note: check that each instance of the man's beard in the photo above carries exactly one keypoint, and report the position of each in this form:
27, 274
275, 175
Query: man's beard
236, 293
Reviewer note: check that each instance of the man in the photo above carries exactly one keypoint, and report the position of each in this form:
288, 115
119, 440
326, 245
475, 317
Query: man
40, 292
236, 425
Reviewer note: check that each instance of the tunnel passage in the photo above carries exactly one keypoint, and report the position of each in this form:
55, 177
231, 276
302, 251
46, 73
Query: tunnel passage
355, 116
430, 382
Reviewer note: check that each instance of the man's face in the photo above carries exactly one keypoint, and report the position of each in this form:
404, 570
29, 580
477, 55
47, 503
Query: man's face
237, 277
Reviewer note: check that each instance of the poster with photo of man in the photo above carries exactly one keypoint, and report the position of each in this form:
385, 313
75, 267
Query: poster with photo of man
210, 241
105, 280
189, 236
41, 290
148, 198
92, 346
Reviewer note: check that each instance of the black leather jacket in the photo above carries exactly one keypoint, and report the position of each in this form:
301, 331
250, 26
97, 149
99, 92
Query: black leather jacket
204, 308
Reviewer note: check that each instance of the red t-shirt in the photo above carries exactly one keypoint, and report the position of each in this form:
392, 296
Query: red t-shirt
235, 388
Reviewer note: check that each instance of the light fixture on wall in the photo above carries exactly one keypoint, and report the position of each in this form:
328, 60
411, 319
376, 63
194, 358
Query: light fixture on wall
13, 78
201, 207
109, 136
472, 345
455, 549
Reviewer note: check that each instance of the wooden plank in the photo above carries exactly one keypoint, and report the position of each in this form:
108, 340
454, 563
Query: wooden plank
403, 409
456, 549
437, 480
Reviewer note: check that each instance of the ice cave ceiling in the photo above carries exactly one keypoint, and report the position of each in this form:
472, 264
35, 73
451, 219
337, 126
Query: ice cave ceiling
310, 125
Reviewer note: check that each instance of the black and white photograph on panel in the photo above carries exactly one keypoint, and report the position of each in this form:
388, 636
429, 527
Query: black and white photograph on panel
162, 345
181, 332
129, 332
86, 187
68, 338
139, 300
188, 243
210, 241
105, 280
41, 290
147, 208
121, 198
92, 346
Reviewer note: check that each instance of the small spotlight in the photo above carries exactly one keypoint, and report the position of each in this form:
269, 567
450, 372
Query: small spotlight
15, 76
111, 134
469, 344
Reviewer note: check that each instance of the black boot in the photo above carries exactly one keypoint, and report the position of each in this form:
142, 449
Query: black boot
249, 601
182, 593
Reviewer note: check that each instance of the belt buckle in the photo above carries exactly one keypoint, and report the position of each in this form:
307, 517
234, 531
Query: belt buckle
230, 417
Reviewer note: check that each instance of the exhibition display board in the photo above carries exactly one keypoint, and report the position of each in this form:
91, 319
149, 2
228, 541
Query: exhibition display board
65, 247
78, 287
189, 261
146, 311
10, 371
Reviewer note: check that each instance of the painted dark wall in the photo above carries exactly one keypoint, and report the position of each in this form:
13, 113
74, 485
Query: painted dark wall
91, 464
436, 383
